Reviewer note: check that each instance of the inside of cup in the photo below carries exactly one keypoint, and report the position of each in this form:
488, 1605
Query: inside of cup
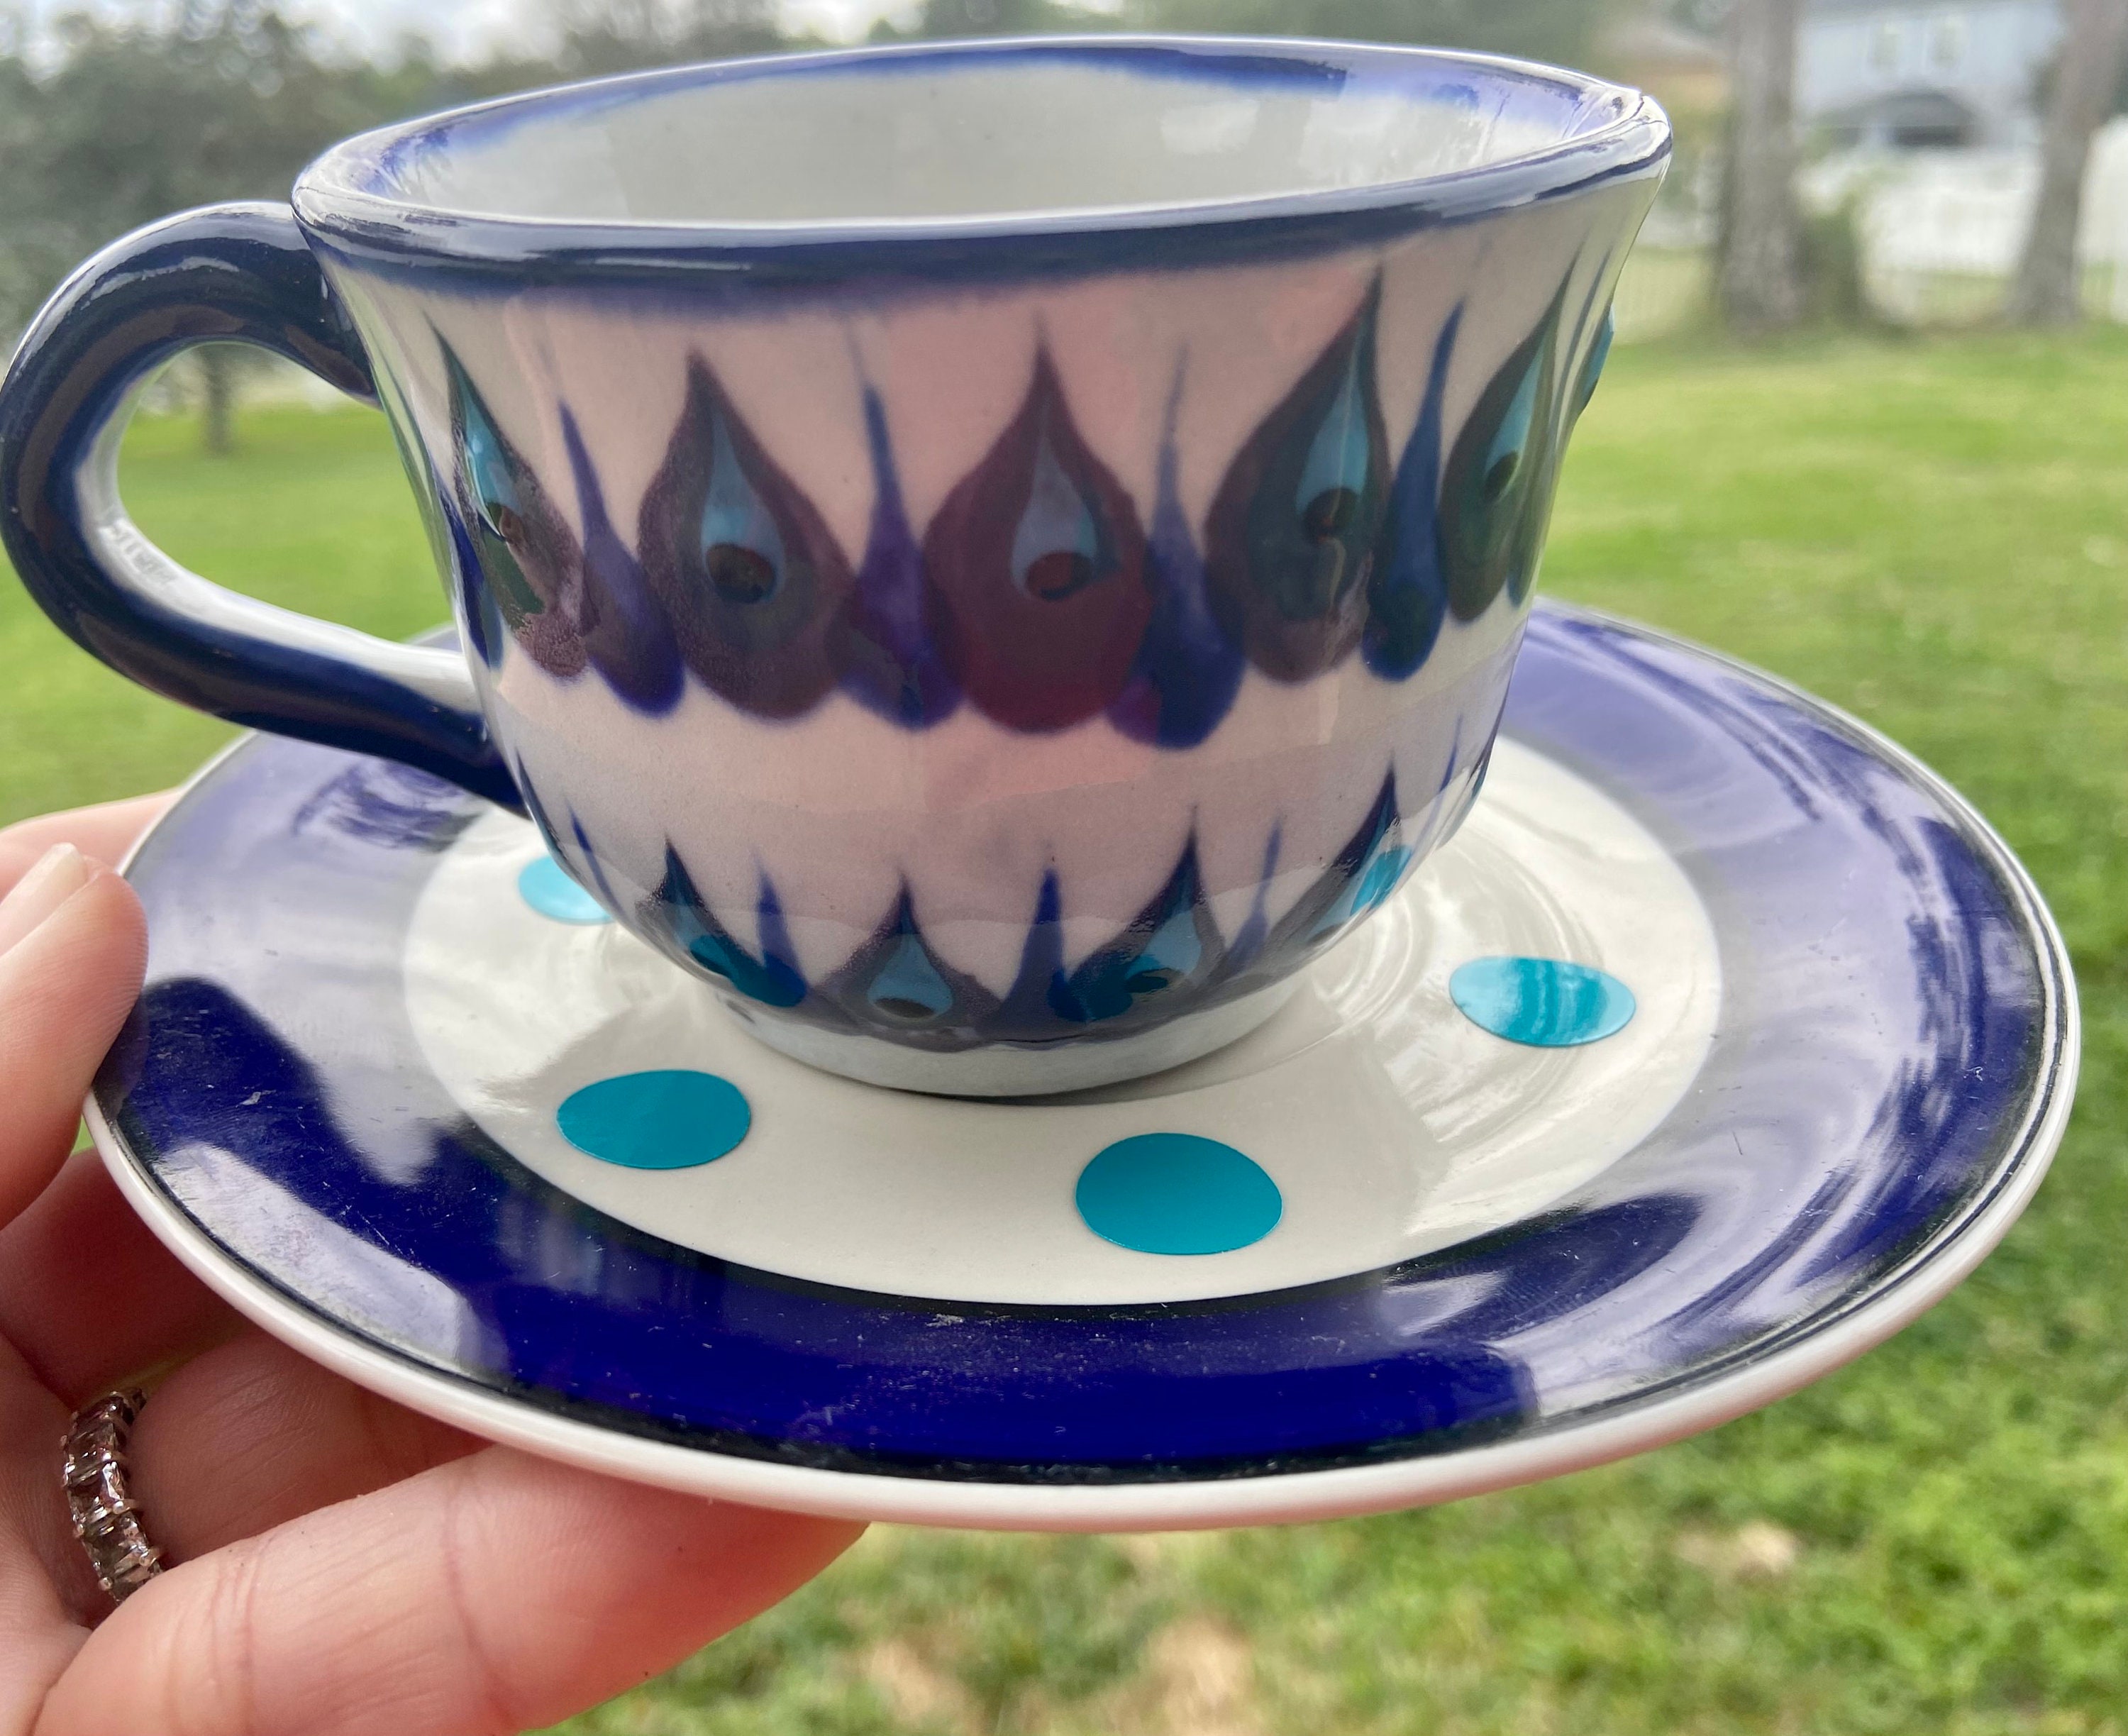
988, 131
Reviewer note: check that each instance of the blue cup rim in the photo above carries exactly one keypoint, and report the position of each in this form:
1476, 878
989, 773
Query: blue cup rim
344, 202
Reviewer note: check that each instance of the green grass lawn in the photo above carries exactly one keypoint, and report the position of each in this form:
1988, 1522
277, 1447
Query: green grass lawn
1935, 1540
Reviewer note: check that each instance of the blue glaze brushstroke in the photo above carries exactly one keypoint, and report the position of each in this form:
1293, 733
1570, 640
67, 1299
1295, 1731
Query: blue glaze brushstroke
624, 631
1187, 671
1407, 594
885, 654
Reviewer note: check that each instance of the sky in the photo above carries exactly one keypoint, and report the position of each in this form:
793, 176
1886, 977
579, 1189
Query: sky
464, 28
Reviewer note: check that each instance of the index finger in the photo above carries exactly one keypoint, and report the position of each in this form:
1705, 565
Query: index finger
105, 831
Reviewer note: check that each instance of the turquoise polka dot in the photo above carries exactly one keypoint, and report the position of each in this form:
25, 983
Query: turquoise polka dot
1176, 1193
545, 885
1545, 1003
669, 1120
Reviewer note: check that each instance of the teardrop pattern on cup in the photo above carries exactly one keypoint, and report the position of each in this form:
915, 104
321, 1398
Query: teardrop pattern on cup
1407, 596
1037, 1007
485, 629
525, 560
1168, 961
1034, 593
1592, 364
625, 633
1037, 568
593, 868
1249, 938
895, 982
1363, 873
681, 921
884, 650
1187, 671
741, 560
536, 807
1163, 957
1291, 542
1598, 331
1496, 491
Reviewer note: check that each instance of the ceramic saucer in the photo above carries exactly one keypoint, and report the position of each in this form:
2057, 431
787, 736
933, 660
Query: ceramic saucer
1721, 1041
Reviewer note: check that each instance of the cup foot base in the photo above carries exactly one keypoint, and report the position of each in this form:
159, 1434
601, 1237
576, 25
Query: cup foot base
1009, 1070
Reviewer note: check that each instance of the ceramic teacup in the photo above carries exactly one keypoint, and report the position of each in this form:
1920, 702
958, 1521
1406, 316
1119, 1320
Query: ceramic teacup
994, 555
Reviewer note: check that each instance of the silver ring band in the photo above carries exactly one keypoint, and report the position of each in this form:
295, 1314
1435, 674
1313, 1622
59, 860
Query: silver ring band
105, 1518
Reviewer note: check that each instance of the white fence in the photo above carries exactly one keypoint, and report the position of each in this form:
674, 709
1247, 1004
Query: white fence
1939, 232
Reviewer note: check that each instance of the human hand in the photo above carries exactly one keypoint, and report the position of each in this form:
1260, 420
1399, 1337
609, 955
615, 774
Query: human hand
338, 1565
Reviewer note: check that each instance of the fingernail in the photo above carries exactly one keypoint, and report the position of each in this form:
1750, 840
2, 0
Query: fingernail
58, 874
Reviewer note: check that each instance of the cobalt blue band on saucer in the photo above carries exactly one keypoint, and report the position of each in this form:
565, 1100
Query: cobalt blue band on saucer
1897, 1021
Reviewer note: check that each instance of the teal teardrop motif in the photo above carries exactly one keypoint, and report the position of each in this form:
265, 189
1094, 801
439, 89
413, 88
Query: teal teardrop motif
676, 917
1171, 948
909, 984
1290, 541
895, 980
527, 562
740, 547
1056, 548
1592, 367
1496, 491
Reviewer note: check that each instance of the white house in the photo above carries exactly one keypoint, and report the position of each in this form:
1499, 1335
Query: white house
1920, 72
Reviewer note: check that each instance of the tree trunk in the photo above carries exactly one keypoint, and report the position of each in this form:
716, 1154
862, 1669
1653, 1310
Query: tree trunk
217, 398
1760, 281
2087, 71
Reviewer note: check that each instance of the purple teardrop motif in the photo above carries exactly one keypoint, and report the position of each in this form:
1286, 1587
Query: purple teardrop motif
524, 564
1187, 671
1037, 568
741, 560
883, 648
625, 633
1290, 540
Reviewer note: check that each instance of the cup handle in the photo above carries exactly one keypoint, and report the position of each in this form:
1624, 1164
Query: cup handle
229, 273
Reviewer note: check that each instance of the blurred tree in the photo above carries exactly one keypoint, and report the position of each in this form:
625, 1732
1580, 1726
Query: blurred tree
941, 18
598, 37
1560, 31
2086, 77
1758, 278
1563, 31
137, 118
123, 118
